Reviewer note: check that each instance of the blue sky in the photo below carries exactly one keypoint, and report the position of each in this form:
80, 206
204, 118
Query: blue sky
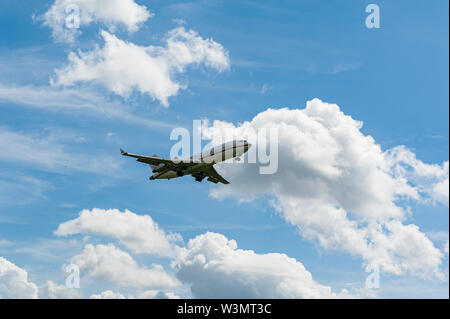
280, 54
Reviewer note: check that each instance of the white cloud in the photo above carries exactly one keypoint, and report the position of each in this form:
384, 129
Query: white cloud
155, 294
402, 249
108, 294
106, 262
439, 191
126, 13
122, 66
224, 274
14, 282
216, 268
148, 294
52, 290
337, 186
430, 179
137, 232
50, 153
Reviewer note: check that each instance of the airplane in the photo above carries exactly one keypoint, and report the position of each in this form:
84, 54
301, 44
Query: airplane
199, 166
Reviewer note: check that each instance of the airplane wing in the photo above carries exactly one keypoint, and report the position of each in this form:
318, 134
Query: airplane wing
154, 160
214, 177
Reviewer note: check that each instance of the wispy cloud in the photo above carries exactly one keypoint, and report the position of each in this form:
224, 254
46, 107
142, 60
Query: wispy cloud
20, 189
69, 100
343, 67
45, 153
50, 250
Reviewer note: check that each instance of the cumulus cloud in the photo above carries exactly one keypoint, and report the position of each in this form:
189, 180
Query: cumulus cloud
148, 294
66, 17
137, 232
430, 179
108, 294
14, 282
52, 290
338, 186
106, 262
216, 268
122, 66
440, 191
155, 294
211, 264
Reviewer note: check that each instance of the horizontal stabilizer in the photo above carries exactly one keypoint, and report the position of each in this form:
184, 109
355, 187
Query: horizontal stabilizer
213, 180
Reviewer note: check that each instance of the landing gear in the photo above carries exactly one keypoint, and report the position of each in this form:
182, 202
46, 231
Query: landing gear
199, 178
180, 173
238, 159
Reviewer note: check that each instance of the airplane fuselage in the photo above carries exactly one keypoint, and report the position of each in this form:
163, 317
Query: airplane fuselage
205, 159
